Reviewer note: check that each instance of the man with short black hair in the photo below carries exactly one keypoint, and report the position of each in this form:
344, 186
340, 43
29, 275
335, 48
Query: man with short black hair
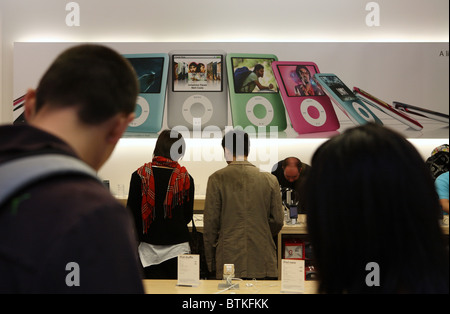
242, 214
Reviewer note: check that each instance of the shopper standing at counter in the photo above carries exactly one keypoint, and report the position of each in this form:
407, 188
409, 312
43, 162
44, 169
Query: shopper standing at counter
242, 214
291, 173
161, 198
373, 216
66, 233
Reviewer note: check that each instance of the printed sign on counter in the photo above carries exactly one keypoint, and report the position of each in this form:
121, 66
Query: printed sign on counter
188, 270
292, 275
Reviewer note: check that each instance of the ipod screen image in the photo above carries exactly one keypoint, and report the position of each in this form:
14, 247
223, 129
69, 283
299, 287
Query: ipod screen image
149, 72
339, 88
298, 80
253, 75
199, 73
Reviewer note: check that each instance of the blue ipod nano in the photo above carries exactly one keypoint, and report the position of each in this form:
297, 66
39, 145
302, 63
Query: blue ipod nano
151, 70
345, 99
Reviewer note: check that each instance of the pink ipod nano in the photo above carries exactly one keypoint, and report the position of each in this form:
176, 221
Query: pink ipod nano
309, 108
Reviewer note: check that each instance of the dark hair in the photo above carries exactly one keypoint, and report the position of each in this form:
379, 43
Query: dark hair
94, 78
370, 198
170, 144
258, 67
298, 163
299, 67
237, 142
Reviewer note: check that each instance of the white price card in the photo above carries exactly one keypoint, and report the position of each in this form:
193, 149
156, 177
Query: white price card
292, 275
188, 270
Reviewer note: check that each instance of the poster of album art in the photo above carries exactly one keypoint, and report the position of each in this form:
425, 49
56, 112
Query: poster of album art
415, 74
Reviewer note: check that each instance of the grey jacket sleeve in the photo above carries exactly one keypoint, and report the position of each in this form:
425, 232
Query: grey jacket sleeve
211, 221
276, 217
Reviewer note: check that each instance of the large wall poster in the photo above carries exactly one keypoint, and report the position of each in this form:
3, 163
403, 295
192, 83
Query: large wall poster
412, 73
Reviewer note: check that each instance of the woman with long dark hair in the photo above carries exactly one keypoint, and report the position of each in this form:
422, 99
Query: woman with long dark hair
161, 199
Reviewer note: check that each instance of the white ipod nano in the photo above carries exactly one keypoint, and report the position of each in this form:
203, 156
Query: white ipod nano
197, 94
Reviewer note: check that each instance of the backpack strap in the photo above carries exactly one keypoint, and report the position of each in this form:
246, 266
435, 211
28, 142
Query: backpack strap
18, 173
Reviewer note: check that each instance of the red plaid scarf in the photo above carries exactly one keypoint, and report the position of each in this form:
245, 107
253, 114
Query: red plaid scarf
177, 190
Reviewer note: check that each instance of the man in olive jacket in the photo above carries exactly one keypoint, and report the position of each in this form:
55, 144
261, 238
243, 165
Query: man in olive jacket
243, 212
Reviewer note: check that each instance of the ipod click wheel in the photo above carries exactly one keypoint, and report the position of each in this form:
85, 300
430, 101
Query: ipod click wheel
197, 107
363, 112
259, 111
142, 112
313, 112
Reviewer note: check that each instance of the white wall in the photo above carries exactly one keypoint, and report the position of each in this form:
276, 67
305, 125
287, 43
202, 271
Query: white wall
201, 161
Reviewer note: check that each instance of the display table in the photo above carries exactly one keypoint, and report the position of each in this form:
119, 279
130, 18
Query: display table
298, 230
211, 287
